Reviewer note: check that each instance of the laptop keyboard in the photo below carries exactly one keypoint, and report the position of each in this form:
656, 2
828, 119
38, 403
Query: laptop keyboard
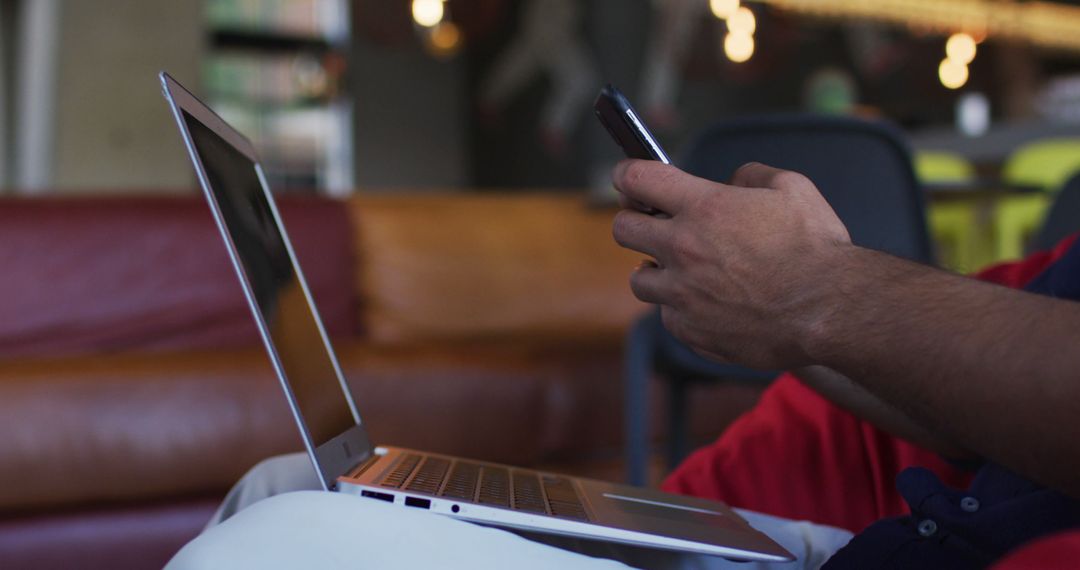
518, 489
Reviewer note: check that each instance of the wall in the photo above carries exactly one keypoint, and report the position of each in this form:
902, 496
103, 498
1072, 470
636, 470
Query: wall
112, 127
5, 71
412, 118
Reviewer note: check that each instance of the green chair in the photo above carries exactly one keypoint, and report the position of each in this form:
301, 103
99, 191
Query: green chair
954, 225
942, 167
1046, 164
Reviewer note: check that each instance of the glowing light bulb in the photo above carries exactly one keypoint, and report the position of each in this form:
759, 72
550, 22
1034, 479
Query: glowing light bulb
742, 21
739, 46
428, 13
723, 9
953, 74
961, 48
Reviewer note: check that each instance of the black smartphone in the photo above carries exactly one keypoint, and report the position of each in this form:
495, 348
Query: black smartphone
629, 131
626, 126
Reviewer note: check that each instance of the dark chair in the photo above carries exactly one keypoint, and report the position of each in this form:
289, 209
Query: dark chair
863, 169
1063, 219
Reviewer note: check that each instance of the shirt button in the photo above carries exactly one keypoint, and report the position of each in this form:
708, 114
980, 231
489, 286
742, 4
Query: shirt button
969, 504
927, 528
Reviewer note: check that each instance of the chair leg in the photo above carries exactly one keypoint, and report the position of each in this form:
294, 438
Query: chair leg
677, 422
638, 367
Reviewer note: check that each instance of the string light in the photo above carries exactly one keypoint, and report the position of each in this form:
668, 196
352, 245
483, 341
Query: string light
738, 46
742, 21
961, 48
1041, 23
953, 74
723, 9
428, 13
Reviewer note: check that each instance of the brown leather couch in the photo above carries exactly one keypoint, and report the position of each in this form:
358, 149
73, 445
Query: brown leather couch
134, 390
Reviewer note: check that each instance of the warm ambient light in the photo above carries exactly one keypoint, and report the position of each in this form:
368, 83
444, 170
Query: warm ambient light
445, 39
953, 74
1040, 23
427, 13
723, 9
739, 46
961, 48
742, 21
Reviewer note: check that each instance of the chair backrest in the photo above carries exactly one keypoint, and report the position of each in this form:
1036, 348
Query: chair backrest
863, 169
1063, 219
1046, 163
936, 166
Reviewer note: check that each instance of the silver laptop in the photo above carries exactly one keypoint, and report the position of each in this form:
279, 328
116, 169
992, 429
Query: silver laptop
343, 455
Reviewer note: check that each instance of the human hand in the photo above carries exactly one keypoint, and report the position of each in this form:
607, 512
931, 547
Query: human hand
743, 271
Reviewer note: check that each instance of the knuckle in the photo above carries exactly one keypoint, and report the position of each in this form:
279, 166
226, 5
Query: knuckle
635, 285
641, 174
620, 227
684, 246
743, 173
635, 173
665, 173
642, 288
789, 180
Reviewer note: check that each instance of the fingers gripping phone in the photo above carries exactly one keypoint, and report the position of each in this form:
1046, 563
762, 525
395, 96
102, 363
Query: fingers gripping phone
629, 131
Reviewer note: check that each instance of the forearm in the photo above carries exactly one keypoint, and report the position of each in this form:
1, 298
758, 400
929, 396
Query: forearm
994, 369
851, 396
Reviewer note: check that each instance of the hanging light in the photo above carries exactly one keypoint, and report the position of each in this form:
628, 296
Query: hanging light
428, 13
953, 74
723, 9
738, 46
742, 21
961, 47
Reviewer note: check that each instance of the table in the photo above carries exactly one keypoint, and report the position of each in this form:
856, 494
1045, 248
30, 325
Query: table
983, 221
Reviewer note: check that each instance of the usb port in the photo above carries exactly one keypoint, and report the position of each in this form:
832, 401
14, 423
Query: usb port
417, 502
376, 495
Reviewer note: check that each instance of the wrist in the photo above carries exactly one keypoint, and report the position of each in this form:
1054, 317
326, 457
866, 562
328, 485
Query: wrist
841, 288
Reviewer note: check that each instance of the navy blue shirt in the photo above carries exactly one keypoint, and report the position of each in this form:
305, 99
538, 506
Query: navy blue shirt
949, 528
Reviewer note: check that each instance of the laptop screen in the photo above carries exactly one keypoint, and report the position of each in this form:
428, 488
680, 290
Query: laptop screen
289, 318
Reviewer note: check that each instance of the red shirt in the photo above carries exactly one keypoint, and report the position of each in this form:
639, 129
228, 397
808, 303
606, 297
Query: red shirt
798, 456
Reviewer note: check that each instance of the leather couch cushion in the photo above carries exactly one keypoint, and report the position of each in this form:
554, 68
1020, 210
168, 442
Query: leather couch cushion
122, 536
101, 429
477, 265
92, 275
126, 427
526, 401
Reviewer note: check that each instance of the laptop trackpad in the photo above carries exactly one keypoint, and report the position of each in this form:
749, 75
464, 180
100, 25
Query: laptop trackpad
636, 506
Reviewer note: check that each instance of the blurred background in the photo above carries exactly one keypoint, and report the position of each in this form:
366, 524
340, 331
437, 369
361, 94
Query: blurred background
373, 95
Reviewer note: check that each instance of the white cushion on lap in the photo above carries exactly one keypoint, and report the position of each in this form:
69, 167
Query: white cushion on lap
314, 529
